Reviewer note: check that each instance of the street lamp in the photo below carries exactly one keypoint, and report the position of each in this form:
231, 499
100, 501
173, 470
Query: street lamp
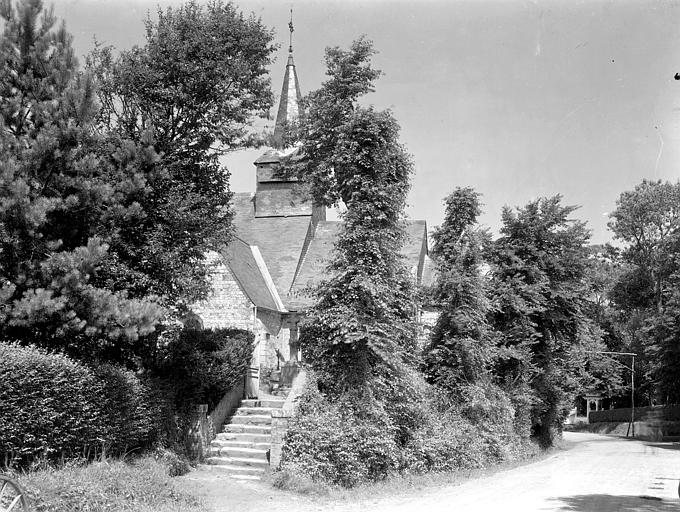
632, 381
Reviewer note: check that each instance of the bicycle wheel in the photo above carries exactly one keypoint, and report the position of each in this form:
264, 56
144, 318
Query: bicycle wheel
12, 496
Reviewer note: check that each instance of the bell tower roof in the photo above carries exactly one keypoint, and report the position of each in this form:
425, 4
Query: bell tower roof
289, 105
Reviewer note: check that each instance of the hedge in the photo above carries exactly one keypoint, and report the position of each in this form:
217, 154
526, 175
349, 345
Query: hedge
53, 407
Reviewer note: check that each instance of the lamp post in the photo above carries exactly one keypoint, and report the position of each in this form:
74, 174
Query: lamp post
632, 381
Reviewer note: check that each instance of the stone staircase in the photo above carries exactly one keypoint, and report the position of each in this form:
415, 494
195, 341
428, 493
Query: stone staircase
241, 450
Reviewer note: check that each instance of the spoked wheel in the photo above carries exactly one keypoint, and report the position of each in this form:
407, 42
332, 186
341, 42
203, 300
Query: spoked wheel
12, 497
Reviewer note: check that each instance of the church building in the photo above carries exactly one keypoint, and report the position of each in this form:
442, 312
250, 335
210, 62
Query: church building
281, 247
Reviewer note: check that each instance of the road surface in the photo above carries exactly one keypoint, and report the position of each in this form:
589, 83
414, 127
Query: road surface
597, 474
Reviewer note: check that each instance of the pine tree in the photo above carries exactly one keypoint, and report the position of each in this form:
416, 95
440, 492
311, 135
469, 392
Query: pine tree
56, 190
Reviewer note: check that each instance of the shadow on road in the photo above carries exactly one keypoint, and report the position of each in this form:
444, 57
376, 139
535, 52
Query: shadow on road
609, 503
665, 446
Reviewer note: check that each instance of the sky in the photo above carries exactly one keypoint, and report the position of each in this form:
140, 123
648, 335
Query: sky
517, 99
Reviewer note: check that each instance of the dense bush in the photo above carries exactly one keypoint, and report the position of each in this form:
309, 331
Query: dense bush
346, 441
200, 366
333, 442
52, 406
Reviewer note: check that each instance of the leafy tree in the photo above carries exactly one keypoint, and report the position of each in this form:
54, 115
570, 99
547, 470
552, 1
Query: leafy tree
187, 95
361, 327
106, 213
647, 221
538, 269
461, 348
55, 191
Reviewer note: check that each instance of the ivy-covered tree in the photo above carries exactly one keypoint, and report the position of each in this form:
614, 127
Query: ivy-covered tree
460, 350
362, 324
538, 266
188, 94
56, 189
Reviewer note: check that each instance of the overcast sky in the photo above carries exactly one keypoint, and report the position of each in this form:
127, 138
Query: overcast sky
517, 99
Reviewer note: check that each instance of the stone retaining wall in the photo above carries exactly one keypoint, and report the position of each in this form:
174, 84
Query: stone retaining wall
659, 412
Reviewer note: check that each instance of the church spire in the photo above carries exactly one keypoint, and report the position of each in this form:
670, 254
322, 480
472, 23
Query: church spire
289, 106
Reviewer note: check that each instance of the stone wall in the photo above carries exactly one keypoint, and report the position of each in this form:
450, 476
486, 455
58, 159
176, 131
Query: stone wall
227, 305
204, 427
659, 412
281, 417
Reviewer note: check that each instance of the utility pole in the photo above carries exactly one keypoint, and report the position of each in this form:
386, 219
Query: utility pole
632, 383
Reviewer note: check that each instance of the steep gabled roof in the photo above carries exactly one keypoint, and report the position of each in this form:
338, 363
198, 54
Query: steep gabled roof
314, 263
251, 272
279, 239
320, 252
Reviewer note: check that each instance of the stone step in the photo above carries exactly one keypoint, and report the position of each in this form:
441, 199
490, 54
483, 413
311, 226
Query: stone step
262, 445
247, 411
241, 437
238, 452
248, 429
251, 419
238, 471
237, 462
240, 476
284, 392
274, 404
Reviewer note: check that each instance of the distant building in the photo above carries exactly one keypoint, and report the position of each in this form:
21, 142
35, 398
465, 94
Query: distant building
282, 246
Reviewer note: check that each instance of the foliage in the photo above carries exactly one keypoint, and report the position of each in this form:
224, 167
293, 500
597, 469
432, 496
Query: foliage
52, 407
200, 366
111, 192
361, 325
337, 442
329, 442
188, 95
645, 297
648, 219
109, 485
538, 269
460, 350
58, 187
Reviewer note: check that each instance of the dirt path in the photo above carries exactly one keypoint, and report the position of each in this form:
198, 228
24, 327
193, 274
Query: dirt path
599, 474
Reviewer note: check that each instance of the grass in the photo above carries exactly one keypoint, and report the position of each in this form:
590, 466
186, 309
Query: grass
112, 485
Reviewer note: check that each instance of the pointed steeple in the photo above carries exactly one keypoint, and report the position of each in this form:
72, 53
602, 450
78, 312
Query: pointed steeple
289, 106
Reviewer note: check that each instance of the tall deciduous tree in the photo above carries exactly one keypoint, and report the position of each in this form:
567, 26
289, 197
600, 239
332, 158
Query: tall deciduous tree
189, 94
647, 221
538, 269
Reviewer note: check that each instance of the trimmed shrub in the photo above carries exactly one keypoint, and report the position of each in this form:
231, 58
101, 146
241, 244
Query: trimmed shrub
53, 407
131, 416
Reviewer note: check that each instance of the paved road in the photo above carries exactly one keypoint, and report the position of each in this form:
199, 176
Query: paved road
598, 474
